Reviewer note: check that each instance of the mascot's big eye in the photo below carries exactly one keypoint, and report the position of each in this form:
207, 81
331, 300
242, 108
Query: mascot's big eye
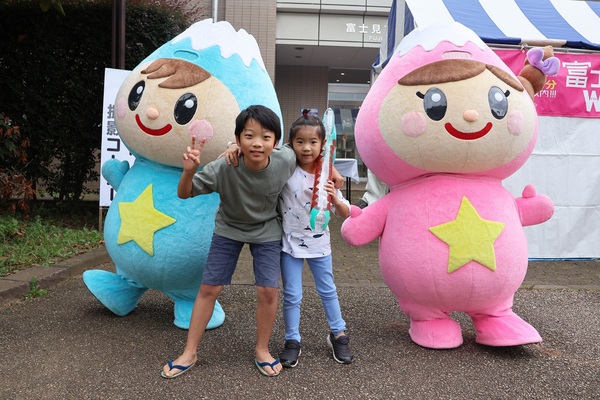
435, 103
498, 102
136, 95
185, 108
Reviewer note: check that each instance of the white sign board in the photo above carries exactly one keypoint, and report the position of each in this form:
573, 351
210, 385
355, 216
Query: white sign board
112, 145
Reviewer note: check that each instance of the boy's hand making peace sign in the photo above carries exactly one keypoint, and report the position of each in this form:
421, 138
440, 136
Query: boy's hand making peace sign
191, 158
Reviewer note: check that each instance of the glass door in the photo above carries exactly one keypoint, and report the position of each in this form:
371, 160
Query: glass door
345, 101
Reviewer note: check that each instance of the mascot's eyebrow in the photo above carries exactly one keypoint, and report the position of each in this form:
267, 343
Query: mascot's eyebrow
181, 73
505, 77
453, 71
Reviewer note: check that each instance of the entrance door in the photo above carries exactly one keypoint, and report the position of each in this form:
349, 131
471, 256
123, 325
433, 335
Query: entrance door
345, 101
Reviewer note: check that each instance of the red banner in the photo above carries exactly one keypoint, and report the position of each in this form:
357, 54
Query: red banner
573, 92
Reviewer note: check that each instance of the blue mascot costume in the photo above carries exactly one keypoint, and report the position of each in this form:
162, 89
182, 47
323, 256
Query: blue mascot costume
193, 86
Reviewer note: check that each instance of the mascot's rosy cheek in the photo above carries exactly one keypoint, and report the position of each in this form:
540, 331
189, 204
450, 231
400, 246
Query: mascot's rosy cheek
201, 129
516, 123
121, 108
413, 124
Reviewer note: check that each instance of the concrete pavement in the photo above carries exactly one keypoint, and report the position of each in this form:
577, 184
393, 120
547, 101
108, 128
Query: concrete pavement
66, 345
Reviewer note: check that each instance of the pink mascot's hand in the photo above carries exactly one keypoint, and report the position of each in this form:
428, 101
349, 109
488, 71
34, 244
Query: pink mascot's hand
365, 225
350, 232
355, 211
534, 208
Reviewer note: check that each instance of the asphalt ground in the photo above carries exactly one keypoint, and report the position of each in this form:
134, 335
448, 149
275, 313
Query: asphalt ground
66, 345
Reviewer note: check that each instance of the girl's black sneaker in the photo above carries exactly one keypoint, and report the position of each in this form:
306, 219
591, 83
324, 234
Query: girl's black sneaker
289, 356
341, 348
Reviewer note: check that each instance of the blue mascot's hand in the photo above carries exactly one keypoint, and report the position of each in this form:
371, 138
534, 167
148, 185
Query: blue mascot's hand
114, 171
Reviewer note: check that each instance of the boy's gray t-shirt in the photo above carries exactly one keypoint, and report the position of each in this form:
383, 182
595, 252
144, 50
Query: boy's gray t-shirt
248, 208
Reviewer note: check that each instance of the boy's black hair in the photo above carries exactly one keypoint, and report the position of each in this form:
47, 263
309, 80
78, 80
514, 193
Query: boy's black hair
306, 120
261, 114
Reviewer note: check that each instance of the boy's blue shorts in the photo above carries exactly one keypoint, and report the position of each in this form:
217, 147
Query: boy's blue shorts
224, 254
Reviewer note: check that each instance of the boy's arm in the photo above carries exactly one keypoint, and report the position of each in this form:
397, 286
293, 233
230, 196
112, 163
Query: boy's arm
336, 177
232, 154
184, 188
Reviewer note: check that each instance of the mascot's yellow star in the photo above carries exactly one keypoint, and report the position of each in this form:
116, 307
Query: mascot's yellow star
470, 238
140, 220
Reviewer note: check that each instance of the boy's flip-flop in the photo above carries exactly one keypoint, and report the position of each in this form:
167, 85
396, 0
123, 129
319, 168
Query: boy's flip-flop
182, 369
261, 365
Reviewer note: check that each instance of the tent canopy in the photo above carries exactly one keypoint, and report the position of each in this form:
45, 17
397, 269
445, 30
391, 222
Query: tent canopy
560, 23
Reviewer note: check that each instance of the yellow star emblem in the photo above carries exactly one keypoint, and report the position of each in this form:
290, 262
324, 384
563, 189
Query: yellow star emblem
470, 238
140, 220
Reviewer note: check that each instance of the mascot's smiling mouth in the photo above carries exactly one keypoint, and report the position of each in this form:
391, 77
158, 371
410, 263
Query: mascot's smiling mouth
468, 136
153, 132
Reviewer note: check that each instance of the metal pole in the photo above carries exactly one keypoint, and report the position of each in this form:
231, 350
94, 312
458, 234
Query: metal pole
118, 34
215, 10
100, 219
118, 57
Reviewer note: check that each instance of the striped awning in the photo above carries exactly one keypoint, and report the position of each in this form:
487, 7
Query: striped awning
561, 23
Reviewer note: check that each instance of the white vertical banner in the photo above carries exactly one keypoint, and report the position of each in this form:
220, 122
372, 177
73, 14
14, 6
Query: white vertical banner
112, 145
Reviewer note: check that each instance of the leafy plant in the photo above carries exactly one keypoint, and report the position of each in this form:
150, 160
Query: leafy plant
15, 188
35, 290
45, 5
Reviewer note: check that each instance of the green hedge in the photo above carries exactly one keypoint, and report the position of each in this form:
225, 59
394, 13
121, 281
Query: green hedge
52, 75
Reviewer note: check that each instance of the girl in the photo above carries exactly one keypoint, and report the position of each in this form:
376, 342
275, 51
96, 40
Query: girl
300, 242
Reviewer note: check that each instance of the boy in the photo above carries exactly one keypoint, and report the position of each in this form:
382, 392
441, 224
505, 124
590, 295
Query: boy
307, 137
247, 213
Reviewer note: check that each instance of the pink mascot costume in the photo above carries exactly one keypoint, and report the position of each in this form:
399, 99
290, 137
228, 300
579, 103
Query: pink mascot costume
442, 126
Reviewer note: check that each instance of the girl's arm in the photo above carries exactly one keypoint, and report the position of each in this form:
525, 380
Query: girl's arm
337, 178
342, 208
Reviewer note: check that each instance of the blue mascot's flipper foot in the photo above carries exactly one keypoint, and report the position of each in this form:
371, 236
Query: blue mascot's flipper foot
183, 313
113, 291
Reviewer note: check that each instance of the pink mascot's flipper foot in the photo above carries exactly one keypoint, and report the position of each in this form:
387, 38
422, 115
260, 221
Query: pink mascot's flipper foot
504, 330
441, 333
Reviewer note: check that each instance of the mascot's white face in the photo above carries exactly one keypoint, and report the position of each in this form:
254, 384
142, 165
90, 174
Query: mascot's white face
457, 116
162, 104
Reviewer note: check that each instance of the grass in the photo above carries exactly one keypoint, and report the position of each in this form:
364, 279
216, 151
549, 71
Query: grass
46, 235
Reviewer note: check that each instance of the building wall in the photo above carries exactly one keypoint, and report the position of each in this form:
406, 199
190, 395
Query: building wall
300, 87
297, 86
258, 18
